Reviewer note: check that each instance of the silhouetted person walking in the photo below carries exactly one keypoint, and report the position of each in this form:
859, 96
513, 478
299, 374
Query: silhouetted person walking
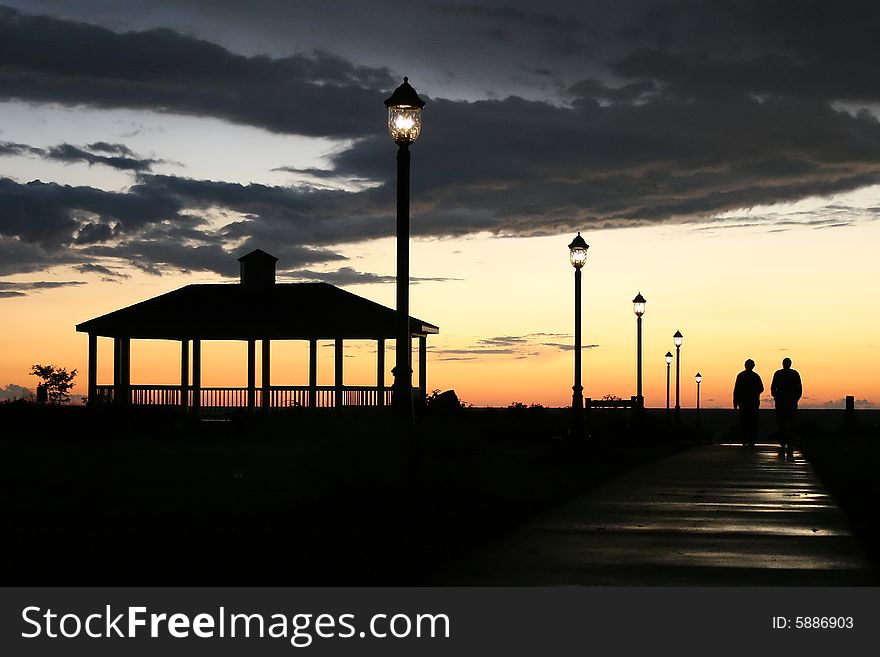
786, 389
747, 398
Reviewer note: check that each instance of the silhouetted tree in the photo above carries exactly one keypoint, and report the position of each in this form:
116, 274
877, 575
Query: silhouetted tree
57, 380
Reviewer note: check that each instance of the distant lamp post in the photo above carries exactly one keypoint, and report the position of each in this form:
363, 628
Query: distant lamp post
699, 379
578, 256
639, 310
404, 126
678, 338
668, 364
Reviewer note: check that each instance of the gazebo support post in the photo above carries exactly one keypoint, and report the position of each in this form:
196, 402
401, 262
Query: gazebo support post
251, 375
121, 370
265, 363
338, 374
197, 377
93, 369
423, 366
126, 370
313, 373
117, 370
380, 372
184, 375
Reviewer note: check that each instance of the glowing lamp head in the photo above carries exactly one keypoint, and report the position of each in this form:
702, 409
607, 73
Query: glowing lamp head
404, 114
577, 252
698, 378
639, 305
678, 338
669, 358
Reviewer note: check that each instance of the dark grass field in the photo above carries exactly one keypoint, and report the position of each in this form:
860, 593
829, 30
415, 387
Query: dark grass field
100, 498
290, 499
848, 466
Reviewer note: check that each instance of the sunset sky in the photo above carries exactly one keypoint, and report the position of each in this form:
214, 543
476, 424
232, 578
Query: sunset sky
723, 159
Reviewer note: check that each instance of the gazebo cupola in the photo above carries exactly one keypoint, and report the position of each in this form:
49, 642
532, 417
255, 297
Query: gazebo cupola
258, 269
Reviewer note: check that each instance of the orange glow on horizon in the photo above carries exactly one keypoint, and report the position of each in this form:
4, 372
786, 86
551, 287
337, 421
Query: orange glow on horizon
506, 317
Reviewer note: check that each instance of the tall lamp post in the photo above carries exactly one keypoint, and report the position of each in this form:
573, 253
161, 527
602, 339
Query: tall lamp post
677, 338
699, 379
577, 252
668, 364
639, 310
404, 125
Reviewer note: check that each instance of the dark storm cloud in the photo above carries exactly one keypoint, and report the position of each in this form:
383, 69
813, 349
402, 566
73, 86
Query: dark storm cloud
112, 149
322, 178
283, 214
529, 340
158, 256
350, 276
513, 16
46, 224
9, 148
310, 171
45, 59
343, 276
522, 167
568, 347
589, 90
105, 272
17, 257
54, 216
668, 112
127, 162
524, 28
516, 346
120, 157
823, 49
161, 256
476, 352
13, 289
504, 340
37, 285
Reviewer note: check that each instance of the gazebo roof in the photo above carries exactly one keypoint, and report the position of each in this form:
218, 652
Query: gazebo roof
230, 311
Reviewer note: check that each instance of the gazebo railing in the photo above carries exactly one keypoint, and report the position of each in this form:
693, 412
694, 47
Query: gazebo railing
236, 397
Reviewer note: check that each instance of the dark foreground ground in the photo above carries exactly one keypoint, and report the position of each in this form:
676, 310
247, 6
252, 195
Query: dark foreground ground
330, 498
712, 515
323, 499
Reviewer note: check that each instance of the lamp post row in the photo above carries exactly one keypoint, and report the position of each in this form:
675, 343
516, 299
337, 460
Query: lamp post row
404, 126
578, 257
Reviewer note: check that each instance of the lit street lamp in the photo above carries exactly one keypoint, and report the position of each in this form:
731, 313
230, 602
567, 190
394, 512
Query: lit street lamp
699, 379
404, 125
639, 310
668, 363
578, 256
678, 338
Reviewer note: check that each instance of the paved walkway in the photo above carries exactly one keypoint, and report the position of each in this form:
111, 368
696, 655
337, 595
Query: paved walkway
714, 515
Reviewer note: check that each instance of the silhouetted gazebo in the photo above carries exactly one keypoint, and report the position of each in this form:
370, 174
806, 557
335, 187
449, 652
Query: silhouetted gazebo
256, 308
